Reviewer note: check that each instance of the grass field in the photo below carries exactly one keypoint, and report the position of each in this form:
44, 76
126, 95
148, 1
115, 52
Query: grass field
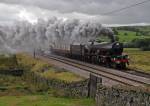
139, 60
7, 62
43, 100
10, 85
129, 37
129, 33
28, 62
15, 91
46, 69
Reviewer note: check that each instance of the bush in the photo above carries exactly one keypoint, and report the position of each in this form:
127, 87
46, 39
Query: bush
143, 44
145, 48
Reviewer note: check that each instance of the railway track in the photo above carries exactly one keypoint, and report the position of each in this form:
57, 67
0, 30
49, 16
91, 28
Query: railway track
125, 78
137, 72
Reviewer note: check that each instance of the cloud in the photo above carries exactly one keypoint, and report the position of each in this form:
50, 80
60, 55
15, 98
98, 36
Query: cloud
27, 16
31, 13
8, 12
82, 9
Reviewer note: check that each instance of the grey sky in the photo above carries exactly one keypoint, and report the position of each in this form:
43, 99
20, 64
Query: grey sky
31, 10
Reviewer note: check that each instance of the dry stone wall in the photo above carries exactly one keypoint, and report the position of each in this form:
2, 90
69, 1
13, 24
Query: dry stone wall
13, 72
74, 89
122, 97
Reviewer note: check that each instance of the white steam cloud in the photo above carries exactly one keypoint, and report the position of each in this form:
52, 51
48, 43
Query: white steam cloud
23, 36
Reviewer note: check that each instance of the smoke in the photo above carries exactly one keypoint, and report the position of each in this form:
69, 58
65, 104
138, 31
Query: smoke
24, 36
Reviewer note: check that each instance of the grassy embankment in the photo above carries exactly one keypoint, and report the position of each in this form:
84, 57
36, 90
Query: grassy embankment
14, 91
45, 69
139, 60
8, 62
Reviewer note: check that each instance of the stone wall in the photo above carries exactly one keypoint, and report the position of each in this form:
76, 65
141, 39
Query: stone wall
14, 72
115, 96
74, 89
122, 97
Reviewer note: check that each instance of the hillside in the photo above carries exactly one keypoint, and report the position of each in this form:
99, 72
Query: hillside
129, 33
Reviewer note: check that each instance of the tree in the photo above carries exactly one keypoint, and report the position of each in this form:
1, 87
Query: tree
115, 32
125, 33
137, 34
117, 38
143, 44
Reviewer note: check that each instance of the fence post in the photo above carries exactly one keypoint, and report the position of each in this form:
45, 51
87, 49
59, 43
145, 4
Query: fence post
34, 53
92, 86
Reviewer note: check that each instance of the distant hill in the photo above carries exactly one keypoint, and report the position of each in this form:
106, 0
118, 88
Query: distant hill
129, 33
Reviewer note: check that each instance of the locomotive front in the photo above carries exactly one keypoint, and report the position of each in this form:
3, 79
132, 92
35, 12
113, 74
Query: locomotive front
117, 57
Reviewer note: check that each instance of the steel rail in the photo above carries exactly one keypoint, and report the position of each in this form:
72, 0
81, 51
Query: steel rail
111, 71
97, 71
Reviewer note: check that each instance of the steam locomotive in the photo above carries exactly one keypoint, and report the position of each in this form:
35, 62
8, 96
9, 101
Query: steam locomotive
107, 54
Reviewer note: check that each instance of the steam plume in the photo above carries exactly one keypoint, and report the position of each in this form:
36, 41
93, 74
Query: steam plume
23, 36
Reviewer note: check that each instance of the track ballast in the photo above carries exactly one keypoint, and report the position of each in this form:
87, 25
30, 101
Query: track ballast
125, 77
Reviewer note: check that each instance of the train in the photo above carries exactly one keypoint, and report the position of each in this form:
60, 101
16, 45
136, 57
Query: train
109, 54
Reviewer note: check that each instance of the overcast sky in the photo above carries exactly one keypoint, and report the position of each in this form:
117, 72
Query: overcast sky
31, 10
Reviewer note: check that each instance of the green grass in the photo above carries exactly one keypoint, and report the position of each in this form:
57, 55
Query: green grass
7, 62
14, 91
43, 68
139, 59
146, 28
11, 85
129, 37
43, 100
65, 76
